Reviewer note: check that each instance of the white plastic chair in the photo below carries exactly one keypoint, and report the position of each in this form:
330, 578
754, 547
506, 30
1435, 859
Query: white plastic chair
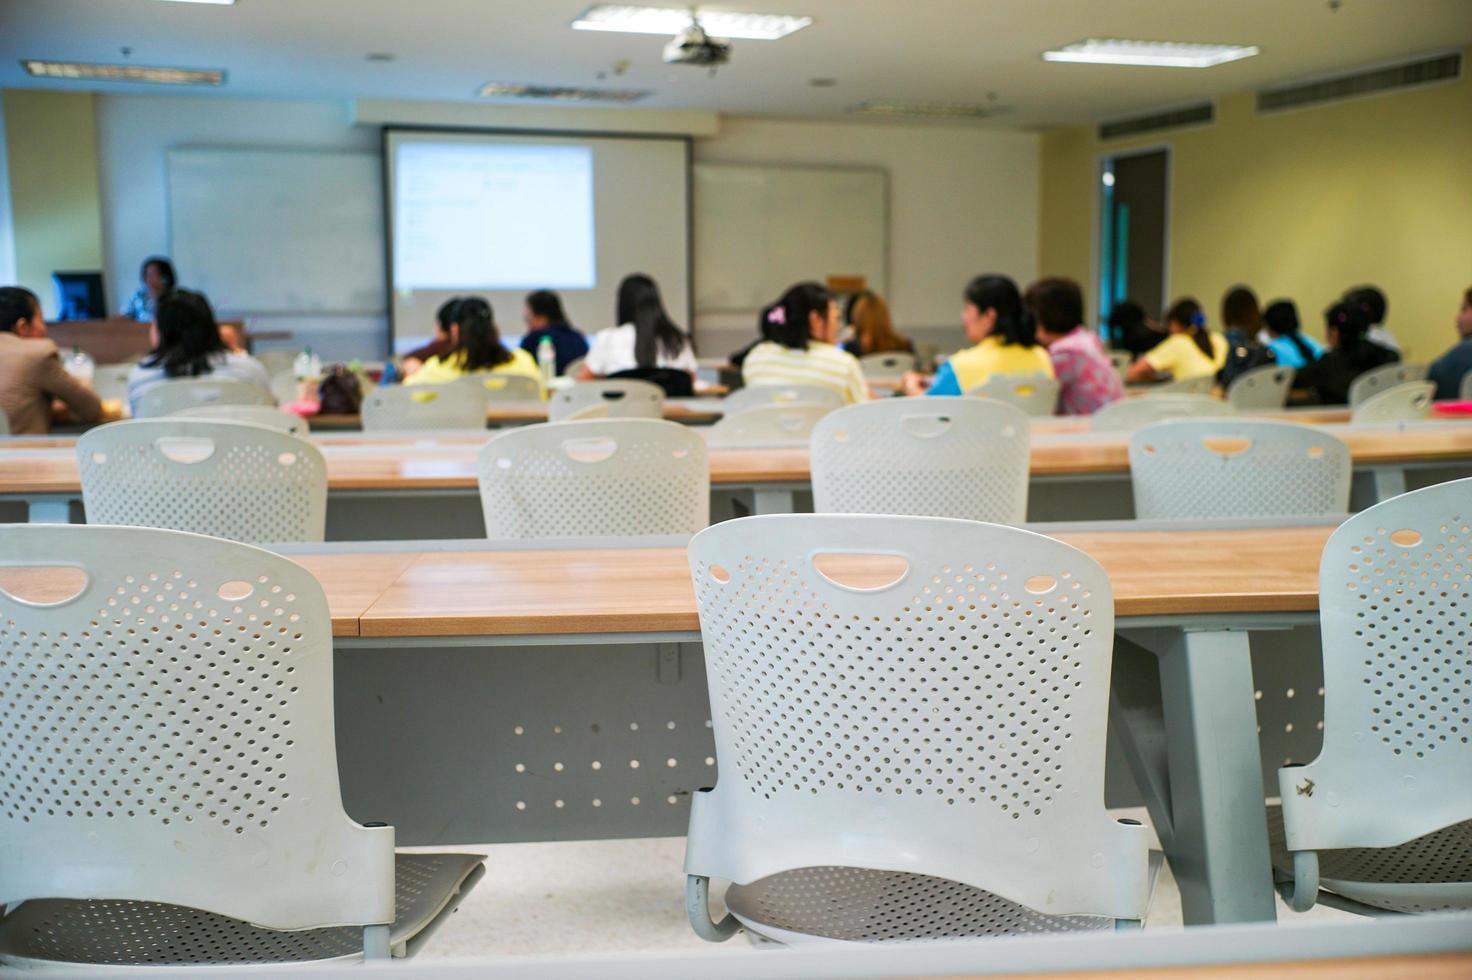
574, 367
271, 418
110, 381
233, 480
1129, 414
502, 387
169, 397
398, 408
613, 477
929, 457
890, 366
169, 780
775, 425
909, 719
1263, 388
1188, 386
623, 398
1378, 379
277, 359
1192, 469
1035, 394
1407, 402
755, 396
1382, 819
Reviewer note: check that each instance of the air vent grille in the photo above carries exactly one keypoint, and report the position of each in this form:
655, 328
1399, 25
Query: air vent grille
1191, 115
1423, 72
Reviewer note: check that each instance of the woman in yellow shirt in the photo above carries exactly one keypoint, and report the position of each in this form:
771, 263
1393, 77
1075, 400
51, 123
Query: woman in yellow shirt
1191, 351
477, 350
1005, 336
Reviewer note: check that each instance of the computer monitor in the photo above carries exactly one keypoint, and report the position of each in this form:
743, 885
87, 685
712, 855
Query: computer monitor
79, 295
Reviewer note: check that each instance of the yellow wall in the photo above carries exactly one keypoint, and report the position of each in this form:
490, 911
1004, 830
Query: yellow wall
1302, 203
55, 202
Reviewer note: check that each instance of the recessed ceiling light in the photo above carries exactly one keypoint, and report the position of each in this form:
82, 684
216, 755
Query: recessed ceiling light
560, 93
938, 110
125, 73
1164, 54
672, 20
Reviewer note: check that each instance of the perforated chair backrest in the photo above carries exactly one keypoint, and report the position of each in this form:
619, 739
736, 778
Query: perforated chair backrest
407, 407
1400, 403
1395, 611
574, 367
503, 387
915, 695
1376, 380
755, 396
1035, 394
1129, 414
1202, 469
271, 418
285, 387
110, 381
169, 397
612, 477
1187, 386
624, 398
779, 424
168, 733
887, 366
277, 359
929, 457
230, 480
1263, 387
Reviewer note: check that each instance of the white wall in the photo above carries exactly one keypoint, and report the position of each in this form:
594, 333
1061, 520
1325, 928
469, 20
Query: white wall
7, 225
962, 201
133, 134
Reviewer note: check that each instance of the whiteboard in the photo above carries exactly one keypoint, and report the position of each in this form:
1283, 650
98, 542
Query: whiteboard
760, 228
278, 231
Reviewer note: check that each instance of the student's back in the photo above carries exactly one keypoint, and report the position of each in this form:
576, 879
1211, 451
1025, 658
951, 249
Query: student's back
1351, 353
1004, 335
545, 319
874, 331
31, 373
477, 349
645, 337
1449, 369
800, 328
187, 345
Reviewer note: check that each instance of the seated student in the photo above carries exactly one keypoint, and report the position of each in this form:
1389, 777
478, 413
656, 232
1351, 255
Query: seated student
544, 318
1241, 324
441, 344
1086, 377
1289, 345
801, 328
1190, 351
156, 279
31, 374
1004, 335
874, 331
1350, 354
187, 344
1449, 369
645, 338
477, 349
1131, 330
1373, 302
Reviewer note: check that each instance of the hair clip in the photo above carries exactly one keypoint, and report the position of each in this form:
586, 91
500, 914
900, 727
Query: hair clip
777, 314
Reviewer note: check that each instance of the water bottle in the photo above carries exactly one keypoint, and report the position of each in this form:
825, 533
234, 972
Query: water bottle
307, 366
79, 364
389, 375
547, 360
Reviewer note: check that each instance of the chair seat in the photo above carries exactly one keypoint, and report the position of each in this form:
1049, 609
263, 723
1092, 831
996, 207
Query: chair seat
862, 905
1429, 874
118, 933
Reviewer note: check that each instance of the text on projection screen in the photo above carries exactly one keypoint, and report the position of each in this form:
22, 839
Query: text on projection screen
493, 217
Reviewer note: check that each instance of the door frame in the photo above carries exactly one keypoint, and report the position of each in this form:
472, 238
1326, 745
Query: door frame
1102, 161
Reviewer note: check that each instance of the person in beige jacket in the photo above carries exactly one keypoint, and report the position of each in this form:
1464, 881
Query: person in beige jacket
31, 375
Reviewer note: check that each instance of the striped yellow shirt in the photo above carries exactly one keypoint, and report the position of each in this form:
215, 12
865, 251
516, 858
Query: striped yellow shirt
770, 363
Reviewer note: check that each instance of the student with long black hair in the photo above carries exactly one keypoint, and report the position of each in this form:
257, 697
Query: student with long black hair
1289, 345
800, 329
1351, 353
1004, 334
477, 349
544, 318
187, 344
645, 337
156, 279
438, 346
31, 373
1190, 351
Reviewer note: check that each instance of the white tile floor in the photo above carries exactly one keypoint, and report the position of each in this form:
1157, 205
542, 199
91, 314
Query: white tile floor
628, 895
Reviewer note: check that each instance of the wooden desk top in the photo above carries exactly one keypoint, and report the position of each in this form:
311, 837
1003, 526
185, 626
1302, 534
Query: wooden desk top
353, 582
511, 593
1426, 966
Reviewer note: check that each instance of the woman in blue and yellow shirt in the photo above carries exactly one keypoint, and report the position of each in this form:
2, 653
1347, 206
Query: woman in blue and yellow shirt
1005, 337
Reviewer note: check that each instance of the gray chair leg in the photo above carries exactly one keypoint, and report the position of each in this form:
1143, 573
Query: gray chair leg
697, 908
375, 943
1303, 891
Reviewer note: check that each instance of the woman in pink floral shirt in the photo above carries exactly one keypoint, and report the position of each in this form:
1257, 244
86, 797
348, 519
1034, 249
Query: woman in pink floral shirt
1087, 380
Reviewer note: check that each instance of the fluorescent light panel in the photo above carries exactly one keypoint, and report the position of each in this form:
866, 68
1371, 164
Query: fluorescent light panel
672, 20
564, 93
1164, 54
124, 73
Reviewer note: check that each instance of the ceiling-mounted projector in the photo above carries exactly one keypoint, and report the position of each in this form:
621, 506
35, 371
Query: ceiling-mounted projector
693, 46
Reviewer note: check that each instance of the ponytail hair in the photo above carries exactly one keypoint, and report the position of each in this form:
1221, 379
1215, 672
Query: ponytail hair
786, 321
1351, 322
1281, 319
1015, 323
479, 340
1188, 313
